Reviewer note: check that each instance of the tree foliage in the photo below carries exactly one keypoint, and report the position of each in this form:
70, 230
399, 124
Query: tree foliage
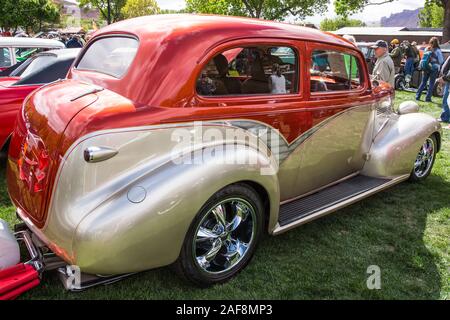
333, 24
347, 7
28, 14
137, 8
266, 9
432, 15
115, 8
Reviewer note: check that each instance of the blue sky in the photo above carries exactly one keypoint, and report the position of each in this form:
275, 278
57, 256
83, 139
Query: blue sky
372, 13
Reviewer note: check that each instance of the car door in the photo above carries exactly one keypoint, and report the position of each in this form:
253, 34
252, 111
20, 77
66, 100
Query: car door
256, 107
339, 100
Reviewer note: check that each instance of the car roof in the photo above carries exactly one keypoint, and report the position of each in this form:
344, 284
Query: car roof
30, 42
61, 53
226, 27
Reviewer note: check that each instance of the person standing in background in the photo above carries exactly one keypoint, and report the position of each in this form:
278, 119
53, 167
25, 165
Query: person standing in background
430, 64
411, 57
444, 79
396, 54
384, 69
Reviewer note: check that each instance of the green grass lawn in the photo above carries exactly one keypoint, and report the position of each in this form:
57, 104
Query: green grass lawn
404, 230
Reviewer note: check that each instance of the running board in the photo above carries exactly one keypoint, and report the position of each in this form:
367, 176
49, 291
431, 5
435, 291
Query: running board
335, 197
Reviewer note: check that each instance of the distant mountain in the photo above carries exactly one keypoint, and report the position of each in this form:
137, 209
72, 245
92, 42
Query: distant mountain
406, 18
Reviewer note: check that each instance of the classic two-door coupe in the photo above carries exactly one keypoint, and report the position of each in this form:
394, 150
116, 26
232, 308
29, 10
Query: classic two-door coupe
180, 139
38, 70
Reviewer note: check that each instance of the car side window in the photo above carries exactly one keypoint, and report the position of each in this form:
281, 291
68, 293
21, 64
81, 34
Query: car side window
335, 71
249, 71
5, 58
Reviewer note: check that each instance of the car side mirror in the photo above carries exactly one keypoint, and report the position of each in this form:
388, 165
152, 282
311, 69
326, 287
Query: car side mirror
408, 107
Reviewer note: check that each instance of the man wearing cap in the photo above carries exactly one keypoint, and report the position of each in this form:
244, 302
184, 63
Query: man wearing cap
384, 69
396, 54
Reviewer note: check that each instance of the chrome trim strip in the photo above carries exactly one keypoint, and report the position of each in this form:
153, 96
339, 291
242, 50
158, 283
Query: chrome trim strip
279, 230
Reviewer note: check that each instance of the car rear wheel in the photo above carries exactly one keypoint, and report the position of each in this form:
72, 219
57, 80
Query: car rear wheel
425, 160
223, 236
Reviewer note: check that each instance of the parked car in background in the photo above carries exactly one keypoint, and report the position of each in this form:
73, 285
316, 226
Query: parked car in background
151, 155
14, 49
38, 70
369, 53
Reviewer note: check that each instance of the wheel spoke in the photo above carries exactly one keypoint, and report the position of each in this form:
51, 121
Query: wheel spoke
235, 250
240, 215
220, 215
205, 234
204, 260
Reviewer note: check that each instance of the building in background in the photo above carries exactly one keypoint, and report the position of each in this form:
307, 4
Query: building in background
372, 34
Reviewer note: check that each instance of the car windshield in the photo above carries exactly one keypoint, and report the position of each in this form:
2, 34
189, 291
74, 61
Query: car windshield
35, 65
112, 56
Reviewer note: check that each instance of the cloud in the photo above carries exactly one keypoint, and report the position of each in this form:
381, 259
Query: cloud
171, 4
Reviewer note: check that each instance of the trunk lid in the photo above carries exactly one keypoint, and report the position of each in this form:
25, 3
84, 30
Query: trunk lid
33, 154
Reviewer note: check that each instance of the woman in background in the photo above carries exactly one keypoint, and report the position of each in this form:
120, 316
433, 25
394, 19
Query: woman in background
430, 68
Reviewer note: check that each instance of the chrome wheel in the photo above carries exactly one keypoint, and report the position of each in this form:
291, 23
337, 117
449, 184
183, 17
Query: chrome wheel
224, 235
424, 160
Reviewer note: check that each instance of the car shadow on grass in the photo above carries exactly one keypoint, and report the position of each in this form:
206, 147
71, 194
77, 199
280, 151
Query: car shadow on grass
325, 259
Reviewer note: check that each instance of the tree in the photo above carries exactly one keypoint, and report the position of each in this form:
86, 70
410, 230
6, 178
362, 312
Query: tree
43, 11
27, 14
266, 9
339, 22
431, 16
111, 10
137, 8
345, 7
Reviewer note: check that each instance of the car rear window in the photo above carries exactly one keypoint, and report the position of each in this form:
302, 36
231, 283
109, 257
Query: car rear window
112, 56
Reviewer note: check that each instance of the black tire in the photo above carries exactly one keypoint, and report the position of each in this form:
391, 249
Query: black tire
438, 90
400, 82
187, 265
420, 175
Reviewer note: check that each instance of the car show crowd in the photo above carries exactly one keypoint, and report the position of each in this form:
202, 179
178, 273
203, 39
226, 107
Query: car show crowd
403, 59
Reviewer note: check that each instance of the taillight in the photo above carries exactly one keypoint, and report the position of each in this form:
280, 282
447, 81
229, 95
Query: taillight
33, 163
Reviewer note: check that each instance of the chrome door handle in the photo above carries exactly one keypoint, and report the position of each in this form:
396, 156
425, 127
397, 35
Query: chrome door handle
97, 154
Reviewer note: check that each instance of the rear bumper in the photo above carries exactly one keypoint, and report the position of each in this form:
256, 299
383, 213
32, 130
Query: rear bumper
38, 235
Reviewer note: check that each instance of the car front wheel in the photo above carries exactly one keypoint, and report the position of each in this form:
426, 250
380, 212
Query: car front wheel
424, 160
223, 236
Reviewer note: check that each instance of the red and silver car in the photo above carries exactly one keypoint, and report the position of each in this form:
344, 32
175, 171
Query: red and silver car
181, 139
